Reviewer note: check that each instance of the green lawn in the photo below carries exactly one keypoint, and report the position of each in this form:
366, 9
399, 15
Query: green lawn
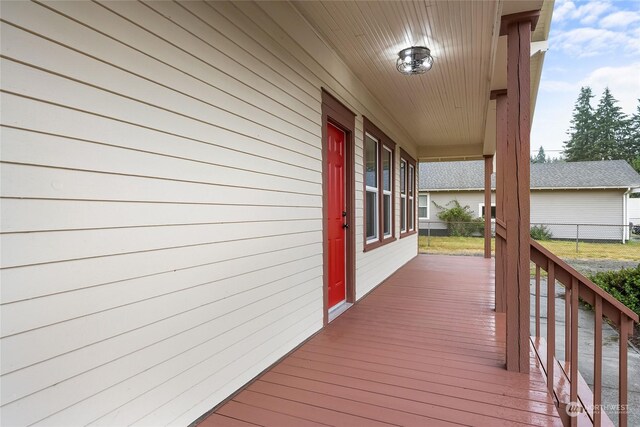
565, 250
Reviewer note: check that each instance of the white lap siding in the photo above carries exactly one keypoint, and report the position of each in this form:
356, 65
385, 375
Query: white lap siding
162, 206
599, 213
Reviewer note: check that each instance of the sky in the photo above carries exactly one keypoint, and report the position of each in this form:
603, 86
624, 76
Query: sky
591, 43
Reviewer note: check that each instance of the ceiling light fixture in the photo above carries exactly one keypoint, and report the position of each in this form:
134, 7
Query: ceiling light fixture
414, 60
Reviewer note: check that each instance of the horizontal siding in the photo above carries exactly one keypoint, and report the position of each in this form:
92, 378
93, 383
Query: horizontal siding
24, 214
600, 207
161, 205
599, 212
465, 198
634, 210
58, 246
593, 206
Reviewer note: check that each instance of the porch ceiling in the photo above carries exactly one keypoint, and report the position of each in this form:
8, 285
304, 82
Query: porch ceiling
446, 111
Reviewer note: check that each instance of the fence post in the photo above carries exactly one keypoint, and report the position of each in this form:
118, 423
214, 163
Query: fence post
577, 236
428, 234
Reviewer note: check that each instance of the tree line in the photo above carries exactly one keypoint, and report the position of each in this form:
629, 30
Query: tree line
601, 133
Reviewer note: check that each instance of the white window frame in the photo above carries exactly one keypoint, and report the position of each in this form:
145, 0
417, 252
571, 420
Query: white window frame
374, 190
481, 205
403, 195
428, 196
411, 196
387, 192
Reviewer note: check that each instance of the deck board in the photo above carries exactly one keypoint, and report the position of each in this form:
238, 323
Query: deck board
424, 348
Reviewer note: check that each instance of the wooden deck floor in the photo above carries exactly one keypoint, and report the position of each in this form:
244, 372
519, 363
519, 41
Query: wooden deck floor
423, 349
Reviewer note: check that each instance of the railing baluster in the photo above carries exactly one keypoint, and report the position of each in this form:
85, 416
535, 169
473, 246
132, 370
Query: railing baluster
624, 336
567, 322
551, 323
573, 385
597, 363
537, 301
576, 284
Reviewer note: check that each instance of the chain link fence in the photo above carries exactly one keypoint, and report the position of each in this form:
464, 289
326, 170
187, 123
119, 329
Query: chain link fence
568, 241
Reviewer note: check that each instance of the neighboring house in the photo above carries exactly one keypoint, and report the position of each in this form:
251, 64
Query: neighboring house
585, 199
634, 210
193, 189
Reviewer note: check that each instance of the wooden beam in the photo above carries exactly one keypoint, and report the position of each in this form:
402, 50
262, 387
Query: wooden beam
516, 194
501, 152
450, 152
495, 94
531, 16
488, 170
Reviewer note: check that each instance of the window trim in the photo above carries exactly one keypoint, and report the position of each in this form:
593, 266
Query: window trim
383, 142
410, 162
411, 199
387, 193
481, 205
374, 190
403, 196
428, 196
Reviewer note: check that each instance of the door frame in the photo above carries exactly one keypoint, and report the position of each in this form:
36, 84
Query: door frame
334, 112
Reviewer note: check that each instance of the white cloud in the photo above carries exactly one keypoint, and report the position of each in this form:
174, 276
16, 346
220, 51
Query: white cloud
598, 33
591, 11
587, 13
585, 42
620, 19
563, 10
557, 98
624, 83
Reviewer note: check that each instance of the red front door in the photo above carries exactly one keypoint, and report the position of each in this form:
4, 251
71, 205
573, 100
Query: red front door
336, 213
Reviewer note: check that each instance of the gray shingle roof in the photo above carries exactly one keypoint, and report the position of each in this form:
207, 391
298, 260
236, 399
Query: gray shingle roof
470, 175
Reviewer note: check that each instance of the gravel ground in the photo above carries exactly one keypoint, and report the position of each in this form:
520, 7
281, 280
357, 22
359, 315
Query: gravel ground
591, 266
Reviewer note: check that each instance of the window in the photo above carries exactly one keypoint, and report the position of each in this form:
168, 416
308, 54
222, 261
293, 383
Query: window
407, 194
411, 207
481, 211
387, 170
371, 187
379, 186
403, 196
423, 207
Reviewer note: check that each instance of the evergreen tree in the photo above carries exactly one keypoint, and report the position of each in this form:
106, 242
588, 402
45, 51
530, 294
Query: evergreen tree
558, 159
632, 140
581, 132
541, 157
610, 129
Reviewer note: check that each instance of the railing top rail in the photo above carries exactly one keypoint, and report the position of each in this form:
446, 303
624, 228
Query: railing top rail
581, 224
438, 221
584, 280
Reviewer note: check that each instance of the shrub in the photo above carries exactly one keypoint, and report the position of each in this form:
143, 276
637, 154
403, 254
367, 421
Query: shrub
623, 284
460, 219
540, 232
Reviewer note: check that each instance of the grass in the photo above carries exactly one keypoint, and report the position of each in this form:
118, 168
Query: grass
566, 250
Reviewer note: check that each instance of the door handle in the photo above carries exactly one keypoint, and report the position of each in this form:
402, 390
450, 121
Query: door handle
345, 225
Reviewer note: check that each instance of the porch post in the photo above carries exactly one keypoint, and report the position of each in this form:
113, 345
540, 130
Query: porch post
488, 170
518, 29
500, 97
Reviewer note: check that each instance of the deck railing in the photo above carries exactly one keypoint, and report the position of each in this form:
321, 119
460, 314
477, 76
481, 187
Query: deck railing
583, 404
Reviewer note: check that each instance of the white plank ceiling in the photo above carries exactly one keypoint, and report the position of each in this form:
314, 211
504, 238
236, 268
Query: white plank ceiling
448, 105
